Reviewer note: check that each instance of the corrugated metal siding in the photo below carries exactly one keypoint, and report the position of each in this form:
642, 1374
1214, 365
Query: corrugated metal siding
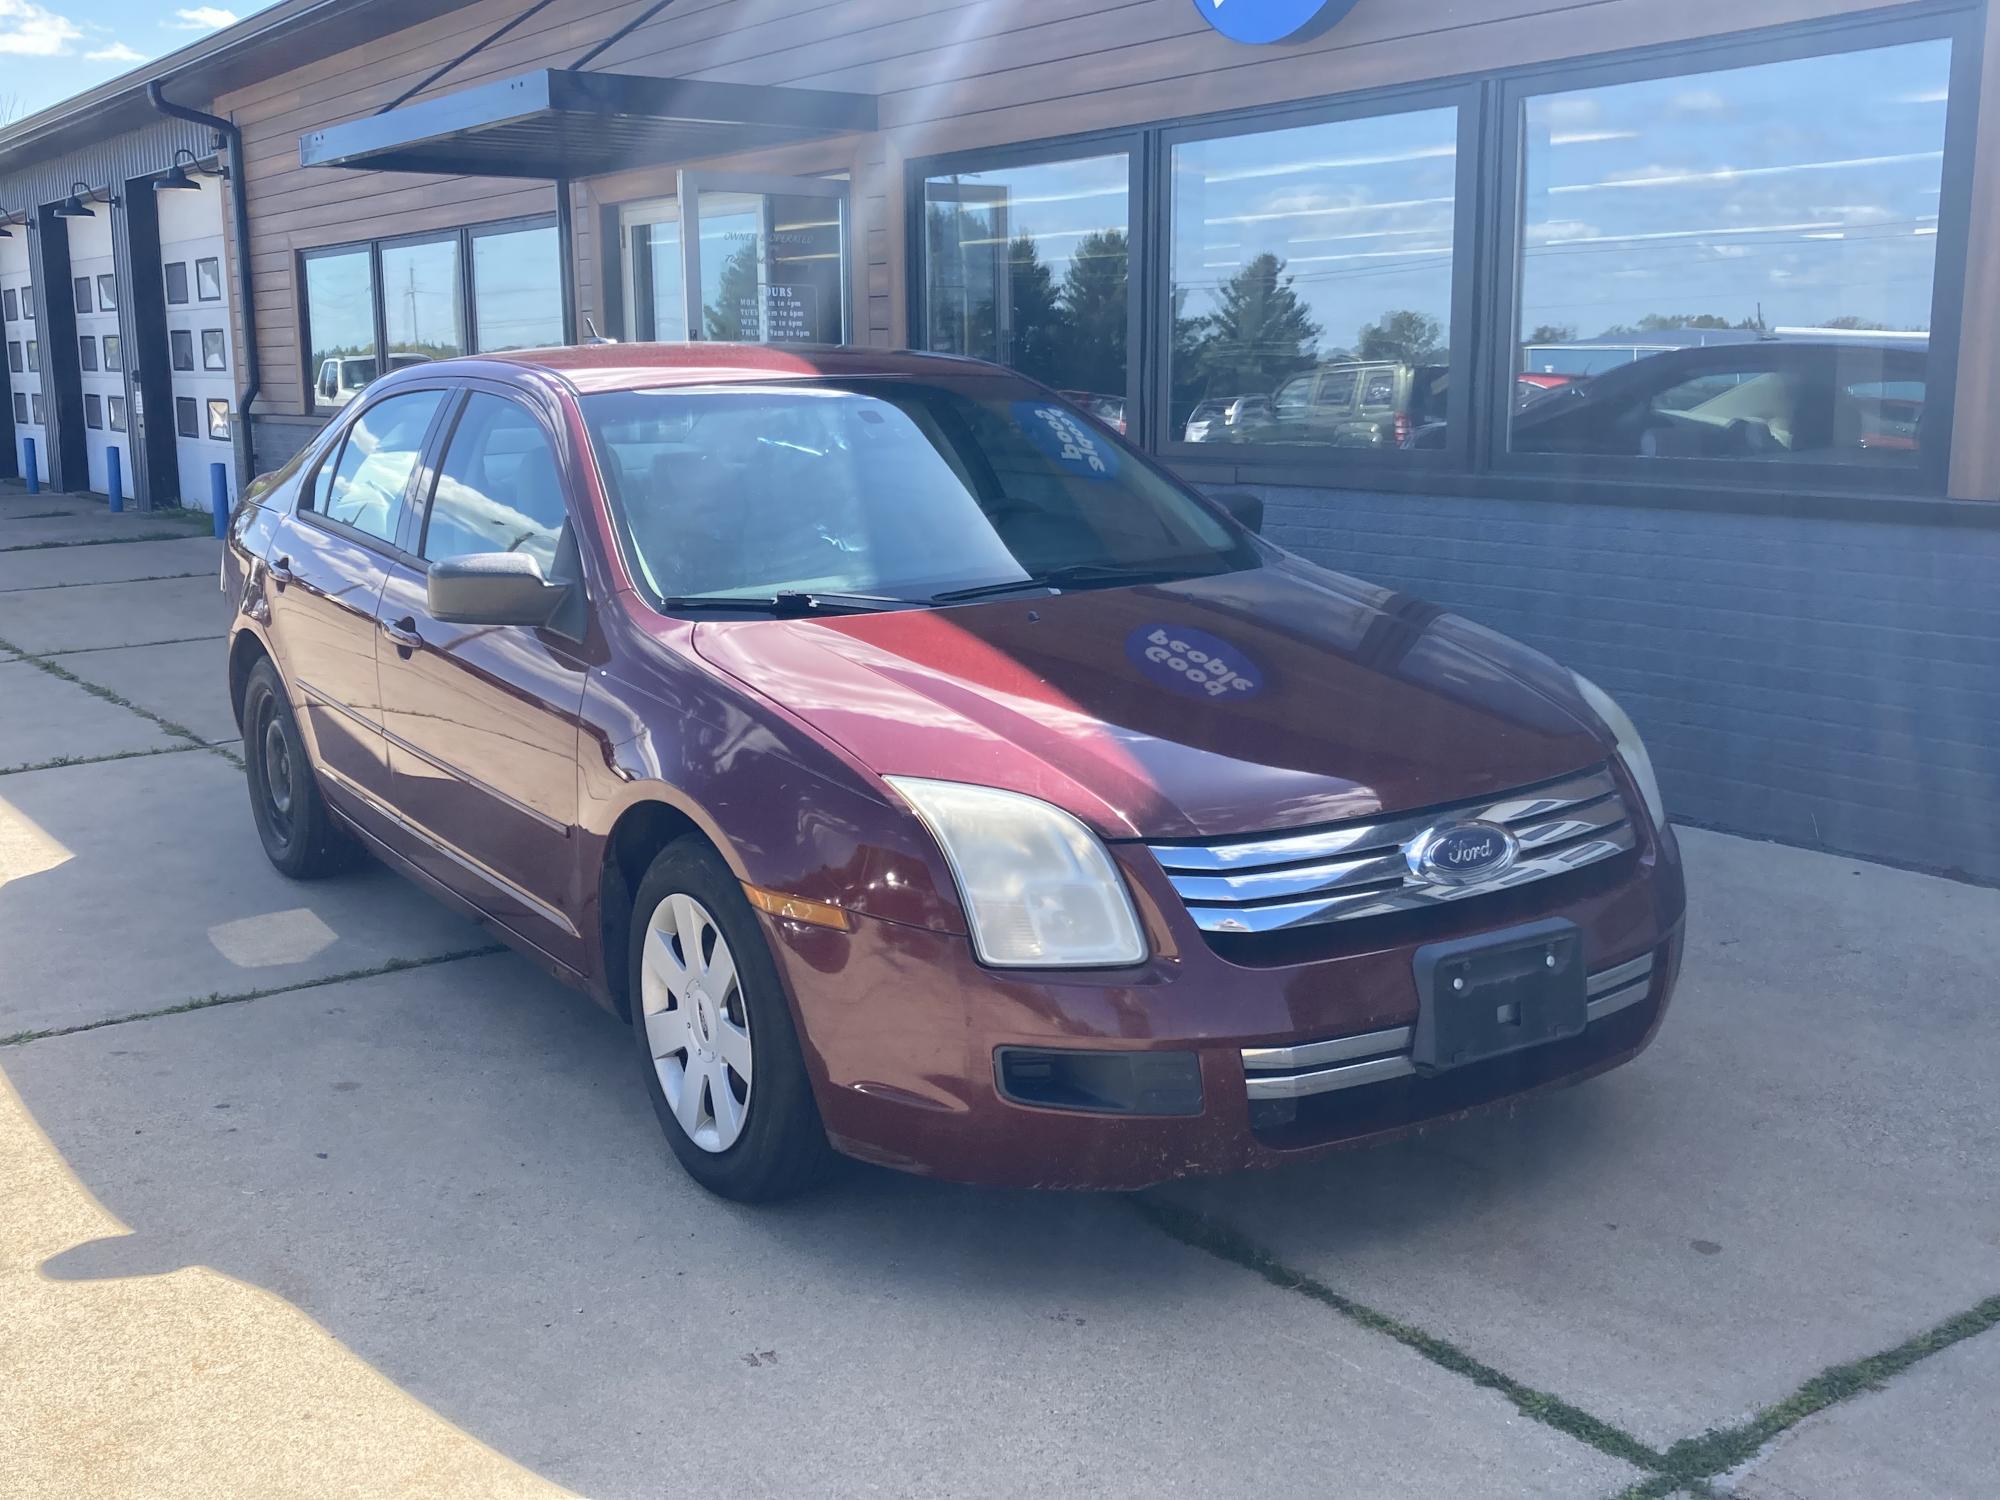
106, 165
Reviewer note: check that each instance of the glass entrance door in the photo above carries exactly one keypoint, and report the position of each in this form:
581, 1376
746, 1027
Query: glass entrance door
764, 259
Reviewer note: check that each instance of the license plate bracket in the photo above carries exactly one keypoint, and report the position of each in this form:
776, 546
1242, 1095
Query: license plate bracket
1497, 993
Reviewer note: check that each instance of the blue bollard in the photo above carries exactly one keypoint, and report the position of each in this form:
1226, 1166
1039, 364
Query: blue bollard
28, 452
218, 495
114, 480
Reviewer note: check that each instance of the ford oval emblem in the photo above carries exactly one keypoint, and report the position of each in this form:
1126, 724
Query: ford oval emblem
1462, 853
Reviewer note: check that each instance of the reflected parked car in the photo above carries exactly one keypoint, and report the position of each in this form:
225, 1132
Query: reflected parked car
1773, 400
1110, 410
930, 778
344, 377
1359, 404
1235, 419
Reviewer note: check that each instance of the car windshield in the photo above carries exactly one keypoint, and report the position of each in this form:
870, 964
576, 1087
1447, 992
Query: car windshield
893, 490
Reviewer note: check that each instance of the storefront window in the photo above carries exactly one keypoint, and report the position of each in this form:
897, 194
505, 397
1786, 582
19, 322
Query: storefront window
517, 288
340, 317
1030, 267
1312, 284
423, 301
1735, 265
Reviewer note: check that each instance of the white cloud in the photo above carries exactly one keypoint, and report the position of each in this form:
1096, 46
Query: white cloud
200, 18
1699, 102
115, 52
27, 30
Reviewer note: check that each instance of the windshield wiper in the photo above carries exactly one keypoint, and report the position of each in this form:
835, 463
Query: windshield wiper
1075, 575
789, 602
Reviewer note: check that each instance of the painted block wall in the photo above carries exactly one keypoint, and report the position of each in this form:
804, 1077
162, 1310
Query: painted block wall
1830, 683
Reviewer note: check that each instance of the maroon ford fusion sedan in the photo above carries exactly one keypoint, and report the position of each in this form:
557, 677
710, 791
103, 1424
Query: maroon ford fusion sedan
930, 778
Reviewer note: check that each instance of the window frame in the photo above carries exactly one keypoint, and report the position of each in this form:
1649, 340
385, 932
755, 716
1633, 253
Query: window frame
1467, 99
1486, 290
468, 314
1053, 152
1929, 478
473, 233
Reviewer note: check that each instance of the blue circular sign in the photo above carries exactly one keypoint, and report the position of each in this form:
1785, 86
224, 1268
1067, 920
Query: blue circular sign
1261, 21
1194, 663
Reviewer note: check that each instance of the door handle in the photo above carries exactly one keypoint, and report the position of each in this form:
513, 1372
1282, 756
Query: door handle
281, 571
404, 633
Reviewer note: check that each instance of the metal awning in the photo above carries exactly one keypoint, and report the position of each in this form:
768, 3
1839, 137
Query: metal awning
561, 123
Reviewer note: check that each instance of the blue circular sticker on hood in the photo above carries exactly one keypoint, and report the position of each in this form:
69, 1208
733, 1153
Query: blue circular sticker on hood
1194, 662
1067, 438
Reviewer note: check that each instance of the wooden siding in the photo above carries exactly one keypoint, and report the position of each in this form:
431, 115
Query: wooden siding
950, 75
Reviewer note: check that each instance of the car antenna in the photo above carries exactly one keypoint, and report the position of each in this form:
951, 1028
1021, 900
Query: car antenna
593, 336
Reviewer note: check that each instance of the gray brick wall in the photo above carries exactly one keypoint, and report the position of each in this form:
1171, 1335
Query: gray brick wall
1831, 683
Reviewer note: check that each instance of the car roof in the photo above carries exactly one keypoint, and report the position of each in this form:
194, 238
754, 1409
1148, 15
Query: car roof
590, 368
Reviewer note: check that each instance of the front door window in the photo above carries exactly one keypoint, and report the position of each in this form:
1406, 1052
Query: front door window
741, 258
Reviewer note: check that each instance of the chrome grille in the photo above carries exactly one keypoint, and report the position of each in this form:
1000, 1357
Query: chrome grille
1347, 1062
1270, 882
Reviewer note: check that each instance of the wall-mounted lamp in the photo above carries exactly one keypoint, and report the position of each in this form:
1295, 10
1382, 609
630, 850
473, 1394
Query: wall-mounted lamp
5, 219
77, 204
180, 178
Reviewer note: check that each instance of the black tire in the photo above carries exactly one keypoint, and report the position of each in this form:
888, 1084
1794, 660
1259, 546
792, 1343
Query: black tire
299, 835
782, 1150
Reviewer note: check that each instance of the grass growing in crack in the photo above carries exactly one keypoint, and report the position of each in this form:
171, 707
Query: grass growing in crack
41, 588
208, 1002
1721, 1449
92, 760
1688, 1465
103, 541
1224, 1243
178, 731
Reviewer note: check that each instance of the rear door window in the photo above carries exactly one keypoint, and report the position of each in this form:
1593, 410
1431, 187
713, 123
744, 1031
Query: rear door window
371, 478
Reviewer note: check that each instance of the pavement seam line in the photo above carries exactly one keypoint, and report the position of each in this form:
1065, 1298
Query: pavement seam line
1696, 1460
1212, 1236
209, 1002
178, 640
42, 588
62, 761
105, 541
179, 731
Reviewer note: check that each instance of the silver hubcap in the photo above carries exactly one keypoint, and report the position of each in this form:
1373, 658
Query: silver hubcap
697, 1026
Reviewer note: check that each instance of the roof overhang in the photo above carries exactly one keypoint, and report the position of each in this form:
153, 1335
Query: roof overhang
556, 123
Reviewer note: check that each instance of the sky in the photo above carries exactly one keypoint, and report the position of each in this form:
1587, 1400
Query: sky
49, 51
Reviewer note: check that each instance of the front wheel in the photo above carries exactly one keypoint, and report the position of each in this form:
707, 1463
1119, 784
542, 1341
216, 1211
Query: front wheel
722, 1061
298, 833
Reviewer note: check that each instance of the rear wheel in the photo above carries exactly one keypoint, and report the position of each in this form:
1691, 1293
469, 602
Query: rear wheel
722, 1061
298, 834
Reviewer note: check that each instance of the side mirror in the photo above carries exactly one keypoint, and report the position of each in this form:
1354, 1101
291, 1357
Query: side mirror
1246, 506
492, 588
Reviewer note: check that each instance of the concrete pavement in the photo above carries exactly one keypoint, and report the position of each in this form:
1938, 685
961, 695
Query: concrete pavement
416, 1232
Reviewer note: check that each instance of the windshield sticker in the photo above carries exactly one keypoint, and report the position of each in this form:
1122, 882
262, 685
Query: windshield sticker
1066, 438
1193, 662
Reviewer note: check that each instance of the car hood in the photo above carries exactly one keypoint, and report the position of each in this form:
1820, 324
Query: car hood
1275, 697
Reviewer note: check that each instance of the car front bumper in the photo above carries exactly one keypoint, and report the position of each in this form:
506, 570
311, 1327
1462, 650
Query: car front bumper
903, 1029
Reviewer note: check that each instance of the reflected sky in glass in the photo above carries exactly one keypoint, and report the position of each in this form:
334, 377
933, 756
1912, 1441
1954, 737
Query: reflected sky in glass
1359, 212
1799, 193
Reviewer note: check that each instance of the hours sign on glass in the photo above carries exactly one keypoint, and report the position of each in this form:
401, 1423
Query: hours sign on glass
1258, 21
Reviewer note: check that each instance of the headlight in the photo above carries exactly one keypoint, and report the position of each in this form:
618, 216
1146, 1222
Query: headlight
1631, 749
1039, 888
